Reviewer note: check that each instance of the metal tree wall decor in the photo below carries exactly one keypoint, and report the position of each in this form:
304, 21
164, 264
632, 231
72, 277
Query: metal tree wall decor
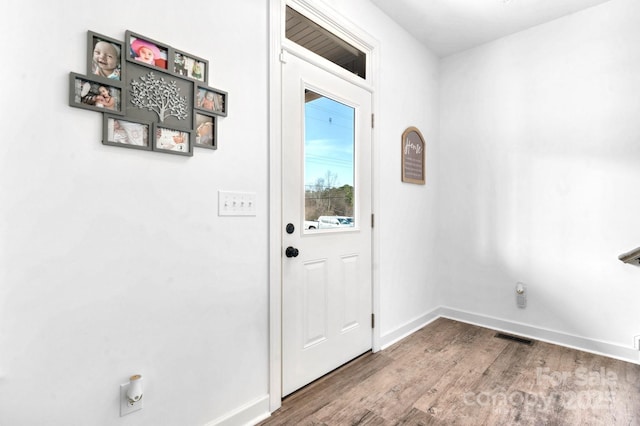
160, 96
151, 95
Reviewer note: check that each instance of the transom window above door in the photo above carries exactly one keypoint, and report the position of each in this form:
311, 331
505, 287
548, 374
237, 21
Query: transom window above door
306, 33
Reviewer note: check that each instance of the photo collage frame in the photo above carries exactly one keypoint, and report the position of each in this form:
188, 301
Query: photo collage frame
153, 97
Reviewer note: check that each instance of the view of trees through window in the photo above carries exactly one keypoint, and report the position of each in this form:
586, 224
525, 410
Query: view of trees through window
324, 198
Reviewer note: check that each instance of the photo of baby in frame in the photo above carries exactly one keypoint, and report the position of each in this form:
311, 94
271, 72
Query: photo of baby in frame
129, 134
190, 66
105, 56
205, 131
172, 141
94, 95
212, 100
146, 51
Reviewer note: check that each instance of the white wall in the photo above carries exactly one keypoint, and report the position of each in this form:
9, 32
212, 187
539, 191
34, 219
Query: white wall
114, 261
406, 213
539, 171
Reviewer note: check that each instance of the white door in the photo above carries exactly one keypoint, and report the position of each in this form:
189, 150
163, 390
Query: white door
327, 289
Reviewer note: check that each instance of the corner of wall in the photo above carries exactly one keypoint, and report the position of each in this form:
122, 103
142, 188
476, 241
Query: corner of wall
409, 328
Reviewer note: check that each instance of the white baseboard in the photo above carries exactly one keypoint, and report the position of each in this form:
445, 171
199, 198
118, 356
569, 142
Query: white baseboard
409, 328
247, 415
599, 347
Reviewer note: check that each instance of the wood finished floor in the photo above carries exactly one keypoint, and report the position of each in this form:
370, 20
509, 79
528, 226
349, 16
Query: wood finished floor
452, 373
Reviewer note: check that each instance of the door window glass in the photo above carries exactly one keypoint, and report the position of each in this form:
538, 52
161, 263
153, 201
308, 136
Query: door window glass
329, 148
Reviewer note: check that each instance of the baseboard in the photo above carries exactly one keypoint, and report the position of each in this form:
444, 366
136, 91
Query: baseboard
598, 347
247, 415
408, 328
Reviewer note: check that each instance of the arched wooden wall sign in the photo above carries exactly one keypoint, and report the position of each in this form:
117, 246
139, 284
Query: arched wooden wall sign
413, 156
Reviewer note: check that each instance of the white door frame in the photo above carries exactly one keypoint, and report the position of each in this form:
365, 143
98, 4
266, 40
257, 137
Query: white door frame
320, 13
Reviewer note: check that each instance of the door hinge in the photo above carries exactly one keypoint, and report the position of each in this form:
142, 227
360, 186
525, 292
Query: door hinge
372, 120
372, 219
373, 320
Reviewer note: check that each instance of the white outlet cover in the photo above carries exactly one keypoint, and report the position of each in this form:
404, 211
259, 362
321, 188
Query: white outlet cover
125, 406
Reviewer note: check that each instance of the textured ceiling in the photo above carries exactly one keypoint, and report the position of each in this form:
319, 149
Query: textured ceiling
451, 26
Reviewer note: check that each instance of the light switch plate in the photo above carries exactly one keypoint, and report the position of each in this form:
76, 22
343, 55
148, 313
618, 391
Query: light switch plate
234, 203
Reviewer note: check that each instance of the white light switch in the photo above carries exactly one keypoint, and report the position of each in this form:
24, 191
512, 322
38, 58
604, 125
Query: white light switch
232, 203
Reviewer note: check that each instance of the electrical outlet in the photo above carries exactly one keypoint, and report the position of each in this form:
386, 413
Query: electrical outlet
127, 407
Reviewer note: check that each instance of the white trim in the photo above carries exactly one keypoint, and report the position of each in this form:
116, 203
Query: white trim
247, 415
330, 19
325, 64
585, 344
373, 70
276, 11
335, 23
409, 328
321, 13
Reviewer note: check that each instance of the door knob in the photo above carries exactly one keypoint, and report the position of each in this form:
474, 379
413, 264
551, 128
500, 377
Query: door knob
291, 252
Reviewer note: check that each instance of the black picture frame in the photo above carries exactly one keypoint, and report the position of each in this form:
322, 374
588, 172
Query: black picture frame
217, 103
123, 132
206, 130
86, 92
164, 140
100, 52
189, 66
154, 50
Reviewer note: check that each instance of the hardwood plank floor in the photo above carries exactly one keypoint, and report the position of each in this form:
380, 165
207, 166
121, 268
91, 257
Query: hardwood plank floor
452, 373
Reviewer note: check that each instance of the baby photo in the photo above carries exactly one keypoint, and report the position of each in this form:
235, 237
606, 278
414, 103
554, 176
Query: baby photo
172, 140
127, 132
211, 101
189, 67
94, 95
205, 131
105, 57
106, 60
146, 52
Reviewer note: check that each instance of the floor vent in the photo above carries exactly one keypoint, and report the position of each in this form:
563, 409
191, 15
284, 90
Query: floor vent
514, 338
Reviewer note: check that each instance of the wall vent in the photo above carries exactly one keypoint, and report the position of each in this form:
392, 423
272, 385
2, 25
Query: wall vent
513, 338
